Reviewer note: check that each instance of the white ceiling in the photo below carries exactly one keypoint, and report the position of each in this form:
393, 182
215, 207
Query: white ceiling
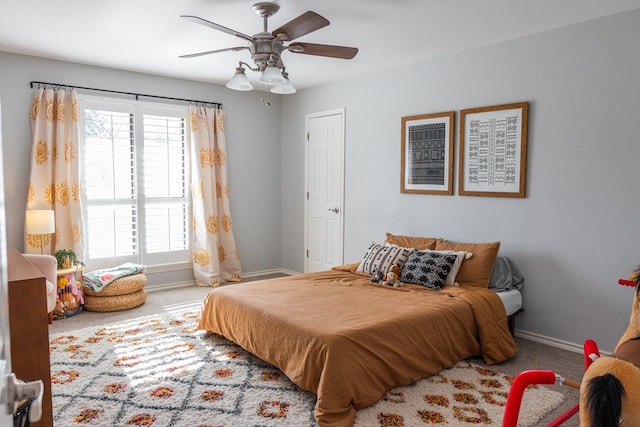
148, 35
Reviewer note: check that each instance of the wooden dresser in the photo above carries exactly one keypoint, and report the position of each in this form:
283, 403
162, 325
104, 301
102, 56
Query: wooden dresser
29, 328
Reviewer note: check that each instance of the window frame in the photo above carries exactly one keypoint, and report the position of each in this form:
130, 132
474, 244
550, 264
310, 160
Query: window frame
155, 262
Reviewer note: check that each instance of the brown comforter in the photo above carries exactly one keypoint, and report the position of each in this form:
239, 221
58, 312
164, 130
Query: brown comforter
349, 341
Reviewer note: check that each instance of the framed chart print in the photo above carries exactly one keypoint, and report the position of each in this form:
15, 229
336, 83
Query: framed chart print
493, 151
426, 165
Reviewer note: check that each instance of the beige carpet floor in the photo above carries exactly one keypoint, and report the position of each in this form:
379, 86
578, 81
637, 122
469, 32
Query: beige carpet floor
531, 355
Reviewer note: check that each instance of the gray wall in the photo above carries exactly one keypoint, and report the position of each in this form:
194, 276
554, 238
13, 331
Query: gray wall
253, 140
578, 229
573, 236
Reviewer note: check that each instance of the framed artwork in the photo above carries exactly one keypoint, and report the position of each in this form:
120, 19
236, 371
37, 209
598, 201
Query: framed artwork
493, 151
426, 159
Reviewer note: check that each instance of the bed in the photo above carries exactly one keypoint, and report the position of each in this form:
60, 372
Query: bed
507, 281
349, 340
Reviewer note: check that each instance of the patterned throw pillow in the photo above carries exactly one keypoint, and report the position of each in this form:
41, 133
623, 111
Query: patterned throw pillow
382, 257
460, 256
426, 268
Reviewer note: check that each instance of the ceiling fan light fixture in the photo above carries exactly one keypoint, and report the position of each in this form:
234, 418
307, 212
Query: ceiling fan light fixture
285, 88
272, 76
239, 81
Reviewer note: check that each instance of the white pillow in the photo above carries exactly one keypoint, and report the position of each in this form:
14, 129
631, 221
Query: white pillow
382, 258
460, 256
398, 246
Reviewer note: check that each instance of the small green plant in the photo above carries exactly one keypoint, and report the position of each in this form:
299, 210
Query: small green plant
66, 256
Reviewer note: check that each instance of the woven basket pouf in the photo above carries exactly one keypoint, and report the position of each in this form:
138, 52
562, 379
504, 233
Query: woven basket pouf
121, 294
115, 303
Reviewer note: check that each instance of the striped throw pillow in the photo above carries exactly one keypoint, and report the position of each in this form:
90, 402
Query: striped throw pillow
382, 258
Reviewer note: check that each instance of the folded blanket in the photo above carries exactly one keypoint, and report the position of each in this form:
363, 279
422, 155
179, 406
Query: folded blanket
96, 280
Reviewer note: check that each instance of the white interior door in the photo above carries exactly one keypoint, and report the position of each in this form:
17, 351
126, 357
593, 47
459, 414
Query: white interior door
324, 190
6, 405
6, 419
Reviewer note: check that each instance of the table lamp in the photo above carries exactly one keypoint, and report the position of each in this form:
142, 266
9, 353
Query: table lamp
40, 222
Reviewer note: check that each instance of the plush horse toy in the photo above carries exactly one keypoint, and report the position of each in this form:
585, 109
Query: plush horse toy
610, 388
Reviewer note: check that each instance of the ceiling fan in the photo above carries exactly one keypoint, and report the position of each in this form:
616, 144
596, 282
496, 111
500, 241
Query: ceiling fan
266, 47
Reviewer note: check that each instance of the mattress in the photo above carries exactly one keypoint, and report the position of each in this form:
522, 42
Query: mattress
512, 300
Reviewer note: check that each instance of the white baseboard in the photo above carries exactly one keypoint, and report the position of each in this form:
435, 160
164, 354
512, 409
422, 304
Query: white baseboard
269, 272
188, 283
167, 286
553, 342
288, 272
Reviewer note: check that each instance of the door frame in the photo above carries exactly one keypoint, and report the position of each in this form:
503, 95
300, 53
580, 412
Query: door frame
307, 118
6, 420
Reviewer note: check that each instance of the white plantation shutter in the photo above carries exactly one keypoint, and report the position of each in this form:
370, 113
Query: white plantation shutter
165, 184
109, 181
135, 182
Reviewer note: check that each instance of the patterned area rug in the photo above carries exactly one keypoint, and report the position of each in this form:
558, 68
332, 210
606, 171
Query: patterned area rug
160, 371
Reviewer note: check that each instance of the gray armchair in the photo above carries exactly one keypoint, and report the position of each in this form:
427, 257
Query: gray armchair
47, 265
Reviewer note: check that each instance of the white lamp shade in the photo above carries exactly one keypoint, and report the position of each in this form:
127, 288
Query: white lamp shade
40, 222
239, 81
284, 88
272, 76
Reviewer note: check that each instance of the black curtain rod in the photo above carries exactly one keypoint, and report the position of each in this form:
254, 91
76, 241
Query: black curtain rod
137, 95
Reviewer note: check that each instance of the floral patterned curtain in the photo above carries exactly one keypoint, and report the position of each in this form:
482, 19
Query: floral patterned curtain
215, 257
55, 172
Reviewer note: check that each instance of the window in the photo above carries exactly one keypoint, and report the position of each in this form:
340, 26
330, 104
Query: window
135, 163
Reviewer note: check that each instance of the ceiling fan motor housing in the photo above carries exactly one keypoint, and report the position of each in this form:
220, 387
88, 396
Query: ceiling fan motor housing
264, 48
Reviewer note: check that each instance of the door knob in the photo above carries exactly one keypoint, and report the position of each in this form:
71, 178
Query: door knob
17, 391
336, 210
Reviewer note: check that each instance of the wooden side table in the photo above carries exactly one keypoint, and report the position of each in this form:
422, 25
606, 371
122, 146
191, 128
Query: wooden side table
29, 328
69, 300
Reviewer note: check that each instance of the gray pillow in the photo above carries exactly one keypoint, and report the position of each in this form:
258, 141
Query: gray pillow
505, 275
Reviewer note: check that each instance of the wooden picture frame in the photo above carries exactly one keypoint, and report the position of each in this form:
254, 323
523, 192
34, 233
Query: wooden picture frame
493, 151
426, 156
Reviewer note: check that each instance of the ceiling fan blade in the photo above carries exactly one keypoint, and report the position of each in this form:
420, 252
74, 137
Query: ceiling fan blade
342, 52
215, 26
209, 52
303, 24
